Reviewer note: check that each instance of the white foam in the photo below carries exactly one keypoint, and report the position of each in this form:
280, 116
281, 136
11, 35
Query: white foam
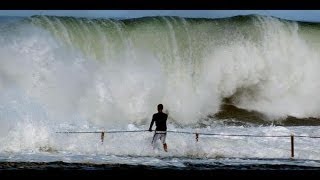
46, 83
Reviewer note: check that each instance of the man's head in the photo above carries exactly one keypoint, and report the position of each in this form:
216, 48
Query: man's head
160, 107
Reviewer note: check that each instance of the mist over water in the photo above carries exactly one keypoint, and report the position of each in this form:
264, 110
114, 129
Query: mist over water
64, 73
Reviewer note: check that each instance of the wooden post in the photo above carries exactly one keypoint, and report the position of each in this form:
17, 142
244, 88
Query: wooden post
292, 146
197, 137
102, 137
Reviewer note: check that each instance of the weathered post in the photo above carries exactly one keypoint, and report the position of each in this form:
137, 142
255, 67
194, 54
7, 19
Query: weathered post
292, 146
197, 137
102, 137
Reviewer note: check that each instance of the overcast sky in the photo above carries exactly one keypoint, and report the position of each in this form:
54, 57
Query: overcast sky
301, 15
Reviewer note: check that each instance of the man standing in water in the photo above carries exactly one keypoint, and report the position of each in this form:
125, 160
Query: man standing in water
161, 127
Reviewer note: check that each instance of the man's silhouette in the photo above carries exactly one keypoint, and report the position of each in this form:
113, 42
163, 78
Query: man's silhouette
161, 127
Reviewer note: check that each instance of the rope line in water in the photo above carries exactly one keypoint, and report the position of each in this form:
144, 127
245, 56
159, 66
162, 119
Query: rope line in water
185, 132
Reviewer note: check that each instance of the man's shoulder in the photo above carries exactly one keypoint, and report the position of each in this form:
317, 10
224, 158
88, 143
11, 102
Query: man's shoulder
160, 114
164, 114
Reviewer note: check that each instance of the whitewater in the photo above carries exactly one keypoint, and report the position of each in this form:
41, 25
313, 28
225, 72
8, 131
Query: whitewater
252, 75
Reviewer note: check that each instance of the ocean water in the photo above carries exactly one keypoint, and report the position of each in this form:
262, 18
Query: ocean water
246, 75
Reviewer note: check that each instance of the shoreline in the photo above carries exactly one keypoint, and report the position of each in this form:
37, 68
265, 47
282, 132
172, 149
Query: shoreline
60, 168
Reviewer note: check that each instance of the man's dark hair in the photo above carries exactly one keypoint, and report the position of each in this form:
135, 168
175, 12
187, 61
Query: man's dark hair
160, 106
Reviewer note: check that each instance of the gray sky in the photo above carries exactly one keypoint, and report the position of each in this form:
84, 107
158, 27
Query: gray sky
301, 15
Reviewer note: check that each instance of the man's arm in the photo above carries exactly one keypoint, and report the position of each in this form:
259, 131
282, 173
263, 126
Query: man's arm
150, 128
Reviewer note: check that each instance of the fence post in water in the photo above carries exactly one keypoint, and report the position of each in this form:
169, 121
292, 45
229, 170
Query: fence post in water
292, 146
197, 137
102, 137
